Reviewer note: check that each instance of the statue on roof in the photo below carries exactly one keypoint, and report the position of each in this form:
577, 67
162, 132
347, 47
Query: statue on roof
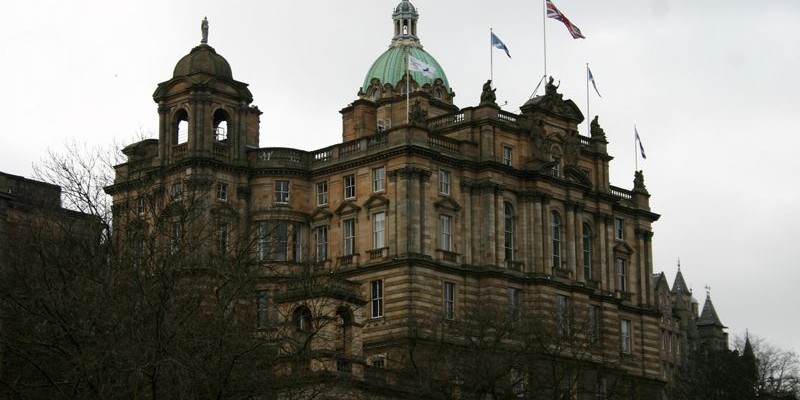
204, 30
596, 130
550, 88
487, 95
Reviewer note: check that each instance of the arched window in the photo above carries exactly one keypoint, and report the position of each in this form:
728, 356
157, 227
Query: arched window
587, 252
508, 228
180, 133
344, 318
220, 126
437, 94
301, 319
555, 238
375, 94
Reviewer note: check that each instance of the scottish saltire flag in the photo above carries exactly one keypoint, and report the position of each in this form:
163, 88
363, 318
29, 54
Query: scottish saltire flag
591, 79
639, 140
552, 12
415, 64
496, 42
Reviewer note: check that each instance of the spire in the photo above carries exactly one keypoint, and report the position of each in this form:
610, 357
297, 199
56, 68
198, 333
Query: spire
679, 286
405, 18
709, 315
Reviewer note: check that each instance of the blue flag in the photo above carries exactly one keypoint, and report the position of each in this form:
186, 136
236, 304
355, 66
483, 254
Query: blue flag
496, 42
641, 148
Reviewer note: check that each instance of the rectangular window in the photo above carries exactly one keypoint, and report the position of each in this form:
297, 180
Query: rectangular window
619, 229
281, 192
140, 206
445, 232
378, 179
322, 242
378, 230
175, 239
562, 314
222, 238
556, 167
599, 390
507, 154
322, 193
376, 297
449, 298
444, 182
262, 309
349, 187
349, 234
514, 303
622, 278
594, 324
177, 190
281, 239
222, 191
625, 336
262, 244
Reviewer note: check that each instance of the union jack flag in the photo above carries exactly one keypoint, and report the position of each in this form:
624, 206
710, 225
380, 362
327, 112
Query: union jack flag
552, 12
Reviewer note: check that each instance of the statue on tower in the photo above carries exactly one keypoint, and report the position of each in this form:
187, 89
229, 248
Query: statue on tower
550, 88
204, 30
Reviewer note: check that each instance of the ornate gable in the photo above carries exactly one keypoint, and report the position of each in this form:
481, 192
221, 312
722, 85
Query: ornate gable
375, 201
347, 207
447, 203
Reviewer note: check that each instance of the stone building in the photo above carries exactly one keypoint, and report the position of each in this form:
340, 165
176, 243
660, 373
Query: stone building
425, 218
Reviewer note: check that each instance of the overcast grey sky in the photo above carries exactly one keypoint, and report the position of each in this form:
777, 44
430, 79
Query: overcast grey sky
711, 85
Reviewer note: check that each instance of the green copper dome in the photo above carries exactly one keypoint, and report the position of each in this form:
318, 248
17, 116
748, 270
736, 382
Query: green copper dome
390, 67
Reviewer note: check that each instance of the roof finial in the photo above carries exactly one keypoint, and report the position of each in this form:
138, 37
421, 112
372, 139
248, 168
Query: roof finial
204, 29
679, 264
708, 291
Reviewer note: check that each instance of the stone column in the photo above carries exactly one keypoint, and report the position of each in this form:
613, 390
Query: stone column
465, 239
538, 236
569, 235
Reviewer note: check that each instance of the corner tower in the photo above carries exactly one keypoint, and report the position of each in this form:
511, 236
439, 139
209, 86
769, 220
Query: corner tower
203, 111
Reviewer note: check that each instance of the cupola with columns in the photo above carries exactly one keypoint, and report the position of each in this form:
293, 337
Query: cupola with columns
203, 111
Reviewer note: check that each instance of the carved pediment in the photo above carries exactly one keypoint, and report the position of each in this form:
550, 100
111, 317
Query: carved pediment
622, 247
554, 104
577, 175
348, 207
447, 203
376, 200
321, 214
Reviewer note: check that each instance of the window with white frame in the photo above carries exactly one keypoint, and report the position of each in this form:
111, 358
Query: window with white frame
376, 298
349, 235
378, 230
444, 182
262, 243
622, 276
449, 300
625, 336
587, 252
508, 228
446, 232
281, 192
378, 179
619, 228
514, 303
555, 239
222, 191
322, 193
321, 233
349, 187
281, 239
508, 153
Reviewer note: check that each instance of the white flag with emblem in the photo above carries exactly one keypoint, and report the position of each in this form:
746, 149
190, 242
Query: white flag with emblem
419, 66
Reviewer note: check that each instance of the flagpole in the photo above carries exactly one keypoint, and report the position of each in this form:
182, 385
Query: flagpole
491, 57
588, 114
635, 150
544, 35
408, 90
